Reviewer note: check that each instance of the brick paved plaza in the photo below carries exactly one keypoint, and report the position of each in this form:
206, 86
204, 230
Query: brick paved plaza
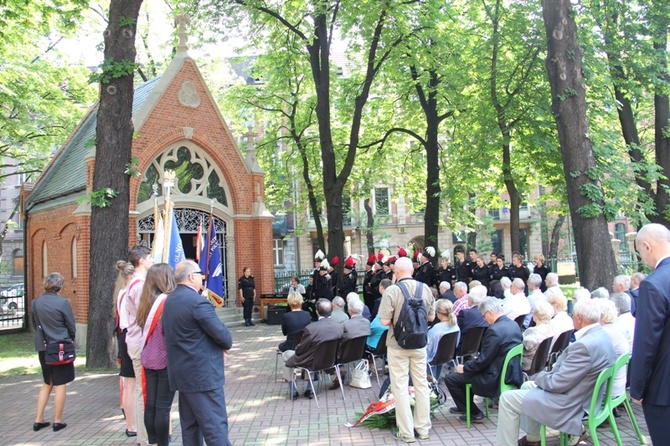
259, 411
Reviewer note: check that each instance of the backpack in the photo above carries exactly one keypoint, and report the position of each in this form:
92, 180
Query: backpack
411, 330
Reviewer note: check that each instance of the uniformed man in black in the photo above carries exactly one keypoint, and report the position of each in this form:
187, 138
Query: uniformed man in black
426, 272
518, 270
463, 268
349, 279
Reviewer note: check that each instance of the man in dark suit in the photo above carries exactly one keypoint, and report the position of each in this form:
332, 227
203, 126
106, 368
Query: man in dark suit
484, 372
315, 334
445, 291
650, 365
196, 340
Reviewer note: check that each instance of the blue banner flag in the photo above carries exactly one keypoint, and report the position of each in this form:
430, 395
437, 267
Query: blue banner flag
210, 261
176, 252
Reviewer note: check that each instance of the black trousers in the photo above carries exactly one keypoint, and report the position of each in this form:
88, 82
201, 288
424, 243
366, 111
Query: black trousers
248, 306
157, 407
456, 384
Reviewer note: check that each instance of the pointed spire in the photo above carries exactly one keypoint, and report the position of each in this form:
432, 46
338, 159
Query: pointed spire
182, 21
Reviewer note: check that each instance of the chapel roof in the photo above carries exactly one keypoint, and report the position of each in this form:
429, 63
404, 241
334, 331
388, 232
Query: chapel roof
66, 174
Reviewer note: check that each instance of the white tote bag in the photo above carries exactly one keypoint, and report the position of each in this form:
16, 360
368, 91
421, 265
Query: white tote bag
360, 377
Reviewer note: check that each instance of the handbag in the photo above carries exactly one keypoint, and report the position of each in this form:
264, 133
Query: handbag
360, 377
59, 353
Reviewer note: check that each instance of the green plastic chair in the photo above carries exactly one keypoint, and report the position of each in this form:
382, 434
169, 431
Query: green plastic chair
622, 361
597, 413
516, 352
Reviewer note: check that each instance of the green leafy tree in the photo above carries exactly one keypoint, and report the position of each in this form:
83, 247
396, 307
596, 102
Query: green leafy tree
597, 265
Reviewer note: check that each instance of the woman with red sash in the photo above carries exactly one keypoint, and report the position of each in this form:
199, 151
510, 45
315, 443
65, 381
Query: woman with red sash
155, 385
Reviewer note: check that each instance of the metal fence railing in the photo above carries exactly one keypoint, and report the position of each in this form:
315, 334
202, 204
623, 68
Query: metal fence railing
12, 313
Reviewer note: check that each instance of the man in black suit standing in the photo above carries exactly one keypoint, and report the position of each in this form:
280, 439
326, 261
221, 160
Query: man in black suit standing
484, 371
650, 365
196, 340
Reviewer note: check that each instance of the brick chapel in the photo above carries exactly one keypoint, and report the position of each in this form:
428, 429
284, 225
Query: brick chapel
178, 127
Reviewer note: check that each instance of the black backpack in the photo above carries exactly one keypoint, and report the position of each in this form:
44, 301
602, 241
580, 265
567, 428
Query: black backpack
411, 330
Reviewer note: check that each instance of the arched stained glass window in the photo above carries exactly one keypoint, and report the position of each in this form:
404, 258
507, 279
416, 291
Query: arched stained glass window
196, 175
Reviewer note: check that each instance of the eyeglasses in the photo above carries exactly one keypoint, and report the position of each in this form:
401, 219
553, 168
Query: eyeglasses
198, 272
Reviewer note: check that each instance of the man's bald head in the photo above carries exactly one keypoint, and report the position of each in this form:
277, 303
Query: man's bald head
653, 243
403, 267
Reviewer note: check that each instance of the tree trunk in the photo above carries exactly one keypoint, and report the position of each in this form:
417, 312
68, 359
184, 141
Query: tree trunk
556, 237
661, 22
109, 225
370, 225
514, 197
597, 265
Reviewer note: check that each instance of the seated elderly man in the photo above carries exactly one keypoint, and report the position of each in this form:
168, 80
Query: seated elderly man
625, 320
314, 335
558, 398
355, 327
461, 293
516, 304
471, 317
484, 371
600, 293
366, 310
635, 280
552, 285
445, 291
338, 314
607, 317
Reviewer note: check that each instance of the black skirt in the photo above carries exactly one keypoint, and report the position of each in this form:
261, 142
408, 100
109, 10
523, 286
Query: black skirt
56, 374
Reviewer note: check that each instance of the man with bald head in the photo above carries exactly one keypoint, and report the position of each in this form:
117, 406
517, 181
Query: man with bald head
407, 362
195, 340
650, 365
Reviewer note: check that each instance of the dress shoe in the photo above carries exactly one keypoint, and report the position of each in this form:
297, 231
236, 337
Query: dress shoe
38, 426
59, 426
251, 323
479, 418
456, 410
308, 394
246, 323
131, 433
523, 441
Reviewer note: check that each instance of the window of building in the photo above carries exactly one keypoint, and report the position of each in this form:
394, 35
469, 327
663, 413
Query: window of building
497, 240
382, 201
620, 232
278, 251
73, 254
17, 262
494, 214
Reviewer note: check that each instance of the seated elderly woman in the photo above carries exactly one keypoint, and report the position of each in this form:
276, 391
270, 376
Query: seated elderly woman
447, 324
608, 314
534, 336
561, 321
293, 321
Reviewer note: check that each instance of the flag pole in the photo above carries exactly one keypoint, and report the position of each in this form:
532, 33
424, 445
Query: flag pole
209, 238
168, 183
156, 216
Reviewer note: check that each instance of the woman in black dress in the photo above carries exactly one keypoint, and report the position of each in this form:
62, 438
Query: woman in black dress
53, 321
247, 289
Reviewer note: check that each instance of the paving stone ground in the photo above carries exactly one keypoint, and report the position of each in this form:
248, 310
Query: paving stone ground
260, 412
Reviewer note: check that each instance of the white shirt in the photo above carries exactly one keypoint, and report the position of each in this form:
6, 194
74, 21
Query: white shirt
554, 291
626, 324
515, 305
561, 323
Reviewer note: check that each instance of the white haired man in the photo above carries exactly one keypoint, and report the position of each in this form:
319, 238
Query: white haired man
557, 398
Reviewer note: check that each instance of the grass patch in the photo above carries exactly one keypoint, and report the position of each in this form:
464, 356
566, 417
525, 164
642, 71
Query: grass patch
18, 356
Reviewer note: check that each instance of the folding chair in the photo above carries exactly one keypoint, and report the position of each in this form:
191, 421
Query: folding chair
351, 350
380, 352
470, 343
296, 341
539, 360
324, 359
446, 349
562, 342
